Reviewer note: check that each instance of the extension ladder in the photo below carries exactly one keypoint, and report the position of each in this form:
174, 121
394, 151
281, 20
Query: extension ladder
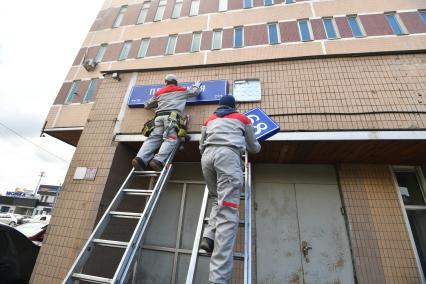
246, 256
130, 248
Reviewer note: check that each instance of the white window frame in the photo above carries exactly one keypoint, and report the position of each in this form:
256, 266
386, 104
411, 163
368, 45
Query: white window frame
278, 33
359, 23
311, 35
422, 183
199, 42
178, 5
336, 29
120, 16
101, 52
399, 22
144, 12
217, 31
148, 40
172, 38
242, 37
159, 14
223, 5
248, 7
125, 50
90, 87
195, 8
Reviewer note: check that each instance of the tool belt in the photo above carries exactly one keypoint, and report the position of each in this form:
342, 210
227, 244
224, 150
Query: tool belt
176, 121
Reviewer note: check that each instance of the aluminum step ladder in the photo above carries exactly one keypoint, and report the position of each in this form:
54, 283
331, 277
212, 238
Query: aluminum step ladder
130, 247
247, 255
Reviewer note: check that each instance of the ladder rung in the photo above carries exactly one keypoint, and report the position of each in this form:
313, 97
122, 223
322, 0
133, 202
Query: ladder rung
91, 278
146, 173
129, 215
237, 255
130, 191
110, 243
241, 222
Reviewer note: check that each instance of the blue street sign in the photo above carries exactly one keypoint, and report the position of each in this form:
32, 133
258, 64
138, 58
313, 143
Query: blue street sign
211, 92
264, 126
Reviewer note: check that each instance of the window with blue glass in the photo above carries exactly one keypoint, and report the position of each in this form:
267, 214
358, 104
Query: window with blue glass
143, 48
238, 37
395, 24
101, 53
120, 17
423, 15
248, 3
355, 25
268, 2
125, 50
289, 1
330, 28
305, 30
90, 91
72, 92
273, 36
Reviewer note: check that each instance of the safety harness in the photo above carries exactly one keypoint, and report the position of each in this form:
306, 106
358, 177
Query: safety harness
176, 121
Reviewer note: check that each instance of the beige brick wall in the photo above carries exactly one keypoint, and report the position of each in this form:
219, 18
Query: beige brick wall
78, 203
381, 245
371, 92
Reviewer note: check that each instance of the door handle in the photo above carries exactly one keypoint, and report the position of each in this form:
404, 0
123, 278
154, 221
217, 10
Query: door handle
305, 250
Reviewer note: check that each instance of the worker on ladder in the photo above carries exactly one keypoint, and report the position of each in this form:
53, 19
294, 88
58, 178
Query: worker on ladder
225, 136
167, 126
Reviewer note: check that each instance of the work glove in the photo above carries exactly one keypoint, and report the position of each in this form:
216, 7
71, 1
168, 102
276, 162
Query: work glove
197, 84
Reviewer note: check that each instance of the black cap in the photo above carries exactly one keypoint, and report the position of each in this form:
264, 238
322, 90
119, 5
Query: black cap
227, 101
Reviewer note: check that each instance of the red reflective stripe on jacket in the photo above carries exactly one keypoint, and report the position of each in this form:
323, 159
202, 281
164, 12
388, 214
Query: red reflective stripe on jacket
169, 89
172, 137
230, 204
241, 117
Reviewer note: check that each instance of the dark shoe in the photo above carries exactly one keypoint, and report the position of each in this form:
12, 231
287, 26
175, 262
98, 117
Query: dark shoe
138, 164
207, 244
156, 165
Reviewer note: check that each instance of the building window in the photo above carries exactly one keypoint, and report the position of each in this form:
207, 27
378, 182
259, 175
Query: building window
171, 45
289, 1
143, 13
422, 14
330, 28
160, 10
268, 2
101, 53
177, 9
196, 41
120, 17
195, 5
273, 35
412, 192
90, 91
217, 39
395, 24
355, 25
143, 48
125, 50
223, 5
247, 4
305, 30
72, 92
238, 37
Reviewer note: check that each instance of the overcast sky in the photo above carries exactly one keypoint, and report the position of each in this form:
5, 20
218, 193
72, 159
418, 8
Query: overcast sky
38, 43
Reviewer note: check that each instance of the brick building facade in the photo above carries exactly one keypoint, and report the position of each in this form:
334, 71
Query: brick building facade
344, 79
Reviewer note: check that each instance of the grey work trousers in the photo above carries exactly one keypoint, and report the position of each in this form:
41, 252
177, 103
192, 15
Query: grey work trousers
222, 170
163, 135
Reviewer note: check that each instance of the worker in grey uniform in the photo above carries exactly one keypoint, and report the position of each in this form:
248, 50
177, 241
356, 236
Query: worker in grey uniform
169, 99
225, 136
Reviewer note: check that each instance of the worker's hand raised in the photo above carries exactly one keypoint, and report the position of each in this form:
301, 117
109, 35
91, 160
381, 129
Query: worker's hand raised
197, 84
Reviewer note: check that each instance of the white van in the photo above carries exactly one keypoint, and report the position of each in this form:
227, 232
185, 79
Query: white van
9, 219
41, 218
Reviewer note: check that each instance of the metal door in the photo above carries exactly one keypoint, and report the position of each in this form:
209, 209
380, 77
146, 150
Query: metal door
300, 231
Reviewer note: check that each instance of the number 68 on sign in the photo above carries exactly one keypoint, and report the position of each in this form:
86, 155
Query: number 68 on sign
264, 126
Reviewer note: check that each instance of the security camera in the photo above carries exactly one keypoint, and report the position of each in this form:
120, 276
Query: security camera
116, 76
